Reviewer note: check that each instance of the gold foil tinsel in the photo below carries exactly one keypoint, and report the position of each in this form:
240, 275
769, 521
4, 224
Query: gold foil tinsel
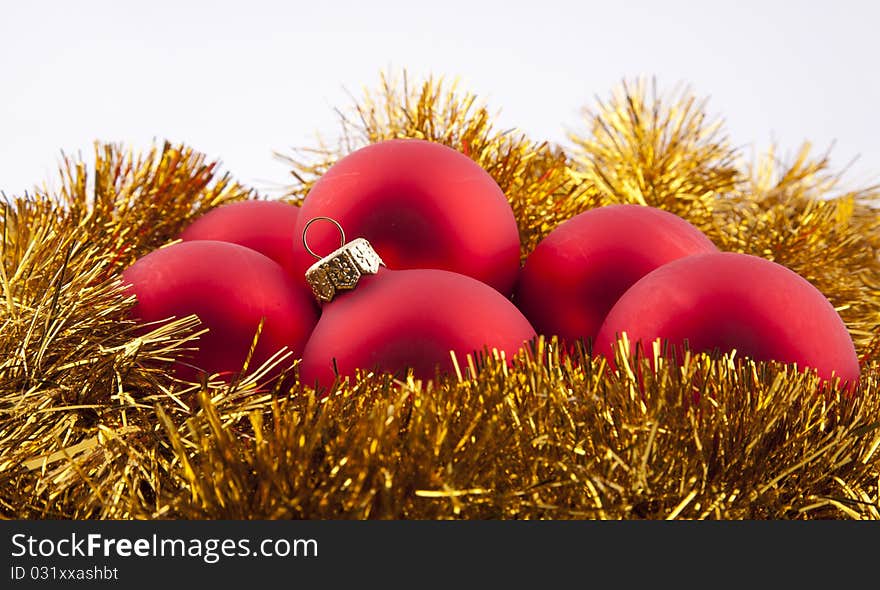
549, 438
667, 152
93, 426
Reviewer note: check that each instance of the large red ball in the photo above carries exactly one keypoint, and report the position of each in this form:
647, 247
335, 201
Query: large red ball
269, 227
230, 288
422, 205
725, 301
411, 319
577, 273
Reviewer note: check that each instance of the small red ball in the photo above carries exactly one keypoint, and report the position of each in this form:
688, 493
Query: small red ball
725, 301
577, 273
269, 227
396, 320
230, 288
422, 205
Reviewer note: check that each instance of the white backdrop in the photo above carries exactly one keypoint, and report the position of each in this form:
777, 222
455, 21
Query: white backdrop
241, 79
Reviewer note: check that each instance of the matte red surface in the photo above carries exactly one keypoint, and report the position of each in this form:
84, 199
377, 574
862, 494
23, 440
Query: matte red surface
411, 318
729, 301
578, 272
421, 205
230, 288
269, 227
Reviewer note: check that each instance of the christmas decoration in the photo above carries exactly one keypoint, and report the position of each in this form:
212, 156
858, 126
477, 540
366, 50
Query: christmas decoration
422, 205
261, 225
399, 320
578, 272
725, 302
675, 157
534, 176
93, 423
237, 294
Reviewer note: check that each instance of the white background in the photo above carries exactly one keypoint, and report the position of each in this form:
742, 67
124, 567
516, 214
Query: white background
239, 80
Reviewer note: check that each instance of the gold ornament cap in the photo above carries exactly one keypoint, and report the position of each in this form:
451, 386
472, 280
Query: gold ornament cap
341, 269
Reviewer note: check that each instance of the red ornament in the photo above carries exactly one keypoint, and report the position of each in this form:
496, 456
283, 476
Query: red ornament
265, 226
230, 288
422, 205
727, 301
392, 320
578, 272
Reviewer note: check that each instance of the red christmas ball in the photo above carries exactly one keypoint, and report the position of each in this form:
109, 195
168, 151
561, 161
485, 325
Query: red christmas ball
269, 227
399, 319
421, 205
725, 301
230, 288
577, 273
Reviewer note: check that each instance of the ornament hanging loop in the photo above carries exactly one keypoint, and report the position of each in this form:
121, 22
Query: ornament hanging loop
313, 220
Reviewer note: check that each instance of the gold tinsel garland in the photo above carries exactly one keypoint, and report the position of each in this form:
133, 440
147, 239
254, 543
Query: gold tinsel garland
93, 426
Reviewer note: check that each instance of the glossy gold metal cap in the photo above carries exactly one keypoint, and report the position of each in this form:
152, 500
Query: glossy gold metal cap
341, 269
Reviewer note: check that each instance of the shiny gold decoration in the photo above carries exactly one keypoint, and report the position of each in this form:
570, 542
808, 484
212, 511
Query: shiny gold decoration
77, 381
647, 149
92, 425
548, 438
342, 269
